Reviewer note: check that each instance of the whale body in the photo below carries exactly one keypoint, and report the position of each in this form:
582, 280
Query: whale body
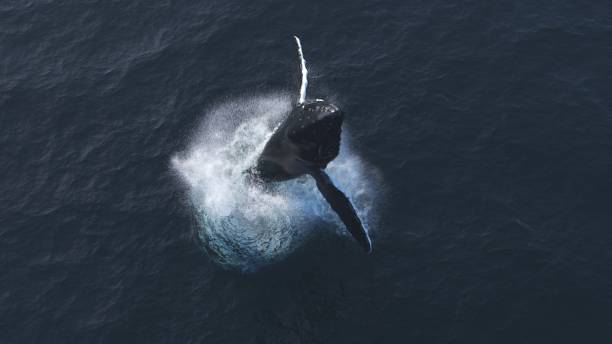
303, 144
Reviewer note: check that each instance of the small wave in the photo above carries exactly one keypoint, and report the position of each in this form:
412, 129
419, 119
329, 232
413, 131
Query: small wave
244, 225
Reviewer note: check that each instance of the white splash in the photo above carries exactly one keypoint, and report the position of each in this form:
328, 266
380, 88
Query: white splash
304, 72
244, 225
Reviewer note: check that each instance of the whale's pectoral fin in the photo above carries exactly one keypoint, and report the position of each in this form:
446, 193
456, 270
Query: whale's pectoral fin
343, 207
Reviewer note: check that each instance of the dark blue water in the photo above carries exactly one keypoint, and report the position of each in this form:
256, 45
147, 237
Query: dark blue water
489, 124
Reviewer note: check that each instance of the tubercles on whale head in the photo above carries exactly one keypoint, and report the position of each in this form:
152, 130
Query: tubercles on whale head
316, 131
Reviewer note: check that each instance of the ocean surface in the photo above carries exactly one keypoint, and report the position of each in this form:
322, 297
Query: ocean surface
477, 147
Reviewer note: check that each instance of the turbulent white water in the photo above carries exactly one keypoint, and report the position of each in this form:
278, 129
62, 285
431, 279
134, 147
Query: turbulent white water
245, 225
304, 71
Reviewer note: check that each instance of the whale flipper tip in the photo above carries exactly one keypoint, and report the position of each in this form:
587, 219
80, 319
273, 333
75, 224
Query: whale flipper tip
343, 207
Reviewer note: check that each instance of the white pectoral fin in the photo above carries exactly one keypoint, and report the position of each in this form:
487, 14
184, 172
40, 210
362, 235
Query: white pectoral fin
304, 83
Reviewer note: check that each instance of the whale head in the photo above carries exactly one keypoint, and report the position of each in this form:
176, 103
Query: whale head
315, 128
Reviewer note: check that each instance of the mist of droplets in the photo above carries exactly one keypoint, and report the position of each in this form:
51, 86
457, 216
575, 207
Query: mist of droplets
245, 225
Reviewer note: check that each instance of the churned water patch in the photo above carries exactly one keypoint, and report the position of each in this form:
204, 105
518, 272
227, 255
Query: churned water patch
245, 225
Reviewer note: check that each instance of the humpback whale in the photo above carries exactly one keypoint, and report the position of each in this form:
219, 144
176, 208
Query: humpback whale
303, 144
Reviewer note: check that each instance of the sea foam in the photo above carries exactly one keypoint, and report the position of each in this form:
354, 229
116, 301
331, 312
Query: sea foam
246, 225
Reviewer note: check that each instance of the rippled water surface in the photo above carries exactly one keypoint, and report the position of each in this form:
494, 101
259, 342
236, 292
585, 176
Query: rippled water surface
477, 147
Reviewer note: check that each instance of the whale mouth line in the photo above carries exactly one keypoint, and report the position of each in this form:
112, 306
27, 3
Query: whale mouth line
242, 225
